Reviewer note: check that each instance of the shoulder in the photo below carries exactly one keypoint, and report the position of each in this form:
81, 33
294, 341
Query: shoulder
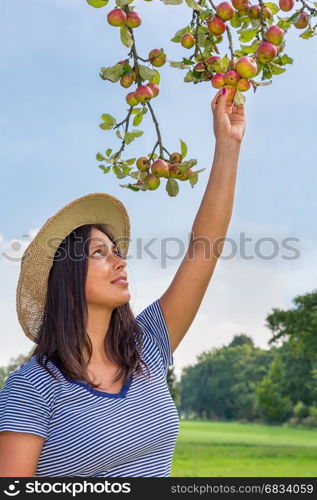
34, 377
155, 331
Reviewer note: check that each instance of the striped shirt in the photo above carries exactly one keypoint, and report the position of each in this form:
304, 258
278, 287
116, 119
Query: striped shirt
94, 433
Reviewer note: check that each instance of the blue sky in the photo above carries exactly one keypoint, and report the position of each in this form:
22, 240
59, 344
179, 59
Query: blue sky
51, 101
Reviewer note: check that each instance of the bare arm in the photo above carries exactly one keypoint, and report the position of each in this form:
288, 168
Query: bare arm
19, 453
182, 299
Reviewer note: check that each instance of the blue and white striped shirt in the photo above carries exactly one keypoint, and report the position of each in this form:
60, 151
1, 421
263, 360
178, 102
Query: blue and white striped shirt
93, 433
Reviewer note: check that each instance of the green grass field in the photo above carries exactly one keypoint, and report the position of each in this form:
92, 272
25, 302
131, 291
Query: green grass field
223, 449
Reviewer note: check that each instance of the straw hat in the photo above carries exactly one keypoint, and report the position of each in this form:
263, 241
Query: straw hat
38, 257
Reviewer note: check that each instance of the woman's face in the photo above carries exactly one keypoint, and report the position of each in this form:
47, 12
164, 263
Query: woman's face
104, 266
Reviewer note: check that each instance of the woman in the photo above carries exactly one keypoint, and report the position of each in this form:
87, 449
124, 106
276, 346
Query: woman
92, 399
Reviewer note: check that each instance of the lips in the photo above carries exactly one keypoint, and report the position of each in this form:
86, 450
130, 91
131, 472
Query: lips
122, 277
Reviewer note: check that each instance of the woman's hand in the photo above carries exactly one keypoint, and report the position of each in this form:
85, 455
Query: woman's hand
228, 119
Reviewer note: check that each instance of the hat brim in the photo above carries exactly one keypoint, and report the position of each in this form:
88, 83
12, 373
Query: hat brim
38, 257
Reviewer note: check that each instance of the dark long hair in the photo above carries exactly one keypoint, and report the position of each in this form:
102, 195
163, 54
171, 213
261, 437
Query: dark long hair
62, 337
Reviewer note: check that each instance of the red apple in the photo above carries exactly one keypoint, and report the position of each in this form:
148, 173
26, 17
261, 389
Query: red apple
144, 93
155, 89
126, 81
212, 59
303, 21
267, 13
231, 89
216, 26
266, 52
160, 168
132, 99
254, 12
231, 77
116, 17
243, 84
157, 57
188, 40
286, 5
174, 171
241, 4
200, 67
225, 11
275, 35
133, 19
217, 81
246, 67
184, 176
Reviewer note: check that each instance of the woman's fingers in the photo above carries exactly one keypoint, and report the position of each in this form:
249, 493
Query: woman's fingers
215, 100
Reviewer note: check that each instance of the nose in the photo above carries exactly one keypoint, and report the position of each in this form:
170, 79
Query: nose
119, 262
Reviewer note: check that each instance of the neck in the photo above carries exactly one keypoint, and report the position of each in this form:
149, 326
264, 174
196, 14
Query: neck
97, 326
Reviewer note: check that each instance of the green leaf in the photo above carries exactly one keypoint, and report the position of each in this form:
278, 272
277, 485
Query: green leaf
136, 133
188, 77
119, 135
108, 119
128, 137
172, 187
274, 8
294, 18
197, 171
117, 170
108, 152
136, 111
250, 49
285, 59
97, 3
183, 149
193, 180
239, 98
100, 157
172, 2
104, 126
224, 63
122, 3
283, 23
125, 37
194, 5
131, 161
177, 64
137, 119
112, 73
276, 68
247, 35
145, 72
130, 186
186, 61
309, 33
178, 35
185, 165
235, 21
157, 77
104, 169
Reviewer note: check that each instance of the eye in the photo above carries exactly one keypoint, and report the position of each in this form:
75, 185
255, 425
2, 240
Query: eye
99, 250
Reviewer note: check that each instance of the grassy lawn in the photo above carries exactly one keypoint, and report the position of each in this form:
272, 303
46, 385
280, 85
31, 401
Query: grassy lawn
223, 449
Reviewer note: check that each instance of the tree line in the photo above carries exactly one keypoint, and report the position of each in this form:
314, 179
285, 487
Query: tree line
243, 382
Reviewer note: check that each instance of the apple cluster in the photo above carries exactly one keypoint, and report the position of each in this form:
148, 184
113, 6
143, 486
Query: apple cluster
161, 168
143, 93
117, 17
237, 74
